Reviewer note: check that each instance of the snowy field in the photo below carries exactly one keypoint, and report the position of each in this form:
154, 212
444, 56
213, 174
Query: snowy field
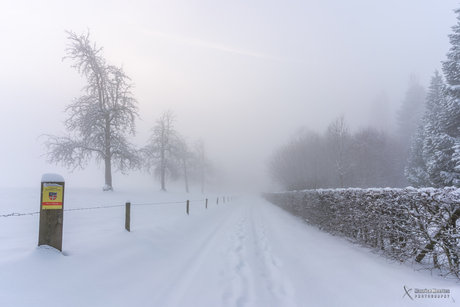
246, 252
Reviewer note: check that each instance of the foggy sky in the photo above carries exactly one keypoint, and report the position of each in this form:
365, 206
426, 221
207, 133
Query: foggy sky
241, 75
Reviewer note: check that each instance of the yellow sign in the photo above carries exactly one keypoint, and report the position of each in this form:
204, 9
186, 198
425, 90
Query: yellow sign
52, 197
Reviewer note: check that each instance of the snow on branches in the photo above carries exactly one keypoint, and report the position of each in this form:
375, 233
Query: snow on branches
161, 155
100, 120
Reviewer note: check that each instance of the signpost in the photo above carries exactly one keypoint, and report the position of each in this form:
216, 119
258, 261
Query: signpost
51, 211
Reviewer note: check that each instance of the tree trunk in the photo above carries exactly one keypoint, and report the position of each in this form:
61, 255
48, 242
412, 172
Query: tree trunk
185, 177
202, 183
163, 182
163, 171
108, 157
108, 174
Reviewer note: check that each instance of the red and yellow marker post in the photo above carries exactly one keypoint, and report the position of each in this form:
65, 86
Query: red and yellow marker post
51, 211
52, 196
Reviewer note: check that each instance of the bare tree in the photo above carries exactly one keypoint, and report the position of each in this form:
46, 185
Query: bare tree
204, 166
101, 119
161, 154
338, 136
186, 157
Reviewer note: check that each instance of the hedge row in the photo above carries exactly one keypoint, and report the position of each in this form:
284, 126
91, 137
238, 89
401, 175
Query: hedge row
413, 225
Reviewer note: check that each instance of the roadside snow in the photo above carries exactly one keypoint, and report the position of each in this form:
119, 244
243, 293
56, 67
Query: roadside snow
246, 252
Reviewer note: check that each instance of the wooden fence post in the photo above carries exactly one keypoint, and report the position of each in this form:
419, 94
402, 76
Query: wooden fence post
51, 211
217, 202
206, 203
188, 207
128, 217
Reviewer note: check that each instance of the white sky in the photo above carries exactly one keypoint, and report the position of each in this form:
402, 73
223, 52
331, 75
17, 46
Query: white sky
242, 75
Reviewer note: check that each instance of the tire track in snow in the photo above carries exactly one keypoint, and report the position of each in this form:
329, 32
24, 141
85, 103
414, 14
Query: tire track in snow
249, 257
280, 288
236, 291
183, 280
249, 272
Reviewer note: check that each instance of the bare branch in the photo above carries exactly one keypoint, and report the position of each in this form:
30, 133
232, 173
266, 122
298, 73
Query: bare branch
101, 119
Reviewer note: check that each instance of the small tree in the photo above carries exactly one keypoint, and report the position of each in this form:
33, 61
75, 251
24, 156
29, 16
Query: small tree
339, 138
162, 152
451, 116
186, 158
437, 144
101, 119
415, 171
409, 116
203, 165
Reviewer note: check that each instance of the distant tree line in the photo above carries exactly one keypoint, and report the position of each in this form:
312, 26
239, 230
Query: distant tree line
424, 151
339, 158
101, 121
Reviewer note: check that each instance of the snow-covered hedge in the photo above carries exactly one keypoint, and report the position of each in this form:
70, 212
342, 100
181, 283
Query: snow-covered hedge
402, 224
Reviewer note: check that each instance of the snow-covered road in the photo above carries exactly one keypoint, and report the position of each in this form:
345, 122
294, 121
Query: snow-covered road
246, 252
229, 261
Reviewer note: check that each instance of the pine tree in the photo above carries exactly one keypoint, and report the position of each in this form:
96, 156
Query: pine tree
380, 113
416, 169
410, 114
441, 122
451, 66
449, 119
438, 143
431, 162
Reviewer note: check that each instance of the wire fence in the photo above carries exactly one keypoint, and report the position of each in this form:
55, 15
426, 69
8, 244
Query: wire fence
18, 214
51, 221
110, 206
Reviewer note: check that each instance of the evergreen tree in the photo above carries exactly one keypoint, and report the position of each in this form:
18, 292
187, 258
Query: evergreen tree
380, 115
416, 169
441, 123
451, 66
432, 158
409, 116
450, 118
438, 145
